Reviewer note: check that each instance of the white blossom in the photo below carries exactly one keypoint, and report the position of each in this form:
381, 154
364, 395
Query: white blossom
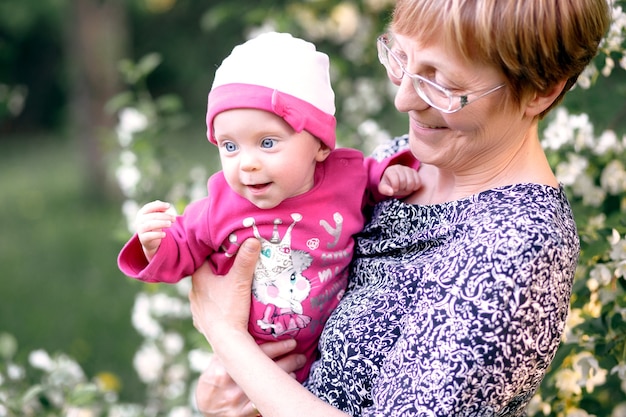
176, 380
609, 64
620, 370
372, 134
567, 382
180, 411
183, 287
162, 305
613, 177
173, 343
197, 189
584, 187
618, 246
620, 409
558, 132
126, 410
129, 210
66, 371
568, 171
606, 142
620, 269
577, 412
537, 405
15, 372
79, 412
614, 38
567, 129
600, 275
344, 20
142, 319
378, 5
148, 363
127, 173
587, 367
41, 360
574, 318
131, 121
584, 80
199, 359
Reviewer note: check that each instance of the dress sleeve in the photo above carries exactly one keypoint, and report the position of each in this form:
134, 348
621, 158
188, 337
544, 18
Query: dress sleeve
391, 147
479, 346
185, 247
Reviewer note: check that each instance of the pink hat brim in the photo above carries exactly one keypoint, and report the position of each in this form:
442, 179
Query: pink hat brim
299, 114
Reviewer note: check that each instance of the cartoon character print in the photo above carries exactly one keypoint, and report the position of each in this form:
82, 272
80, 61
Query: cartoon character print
279, 283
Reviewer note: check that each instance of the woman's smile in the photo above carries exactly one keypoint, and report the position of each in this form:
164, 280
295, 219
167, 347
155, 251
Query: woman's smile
424, 127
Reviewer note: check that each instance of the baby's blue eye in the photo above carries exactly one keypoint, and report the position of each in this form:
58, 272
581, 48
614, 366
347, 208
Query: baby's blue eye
267, 143
229, 146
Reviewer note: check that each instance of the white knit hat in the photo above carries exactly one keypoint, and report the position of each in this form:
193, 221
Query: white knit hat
281, 74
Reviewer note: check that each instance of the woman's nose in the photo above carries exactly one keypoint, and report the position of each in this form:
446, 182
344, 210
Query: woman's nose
406, 98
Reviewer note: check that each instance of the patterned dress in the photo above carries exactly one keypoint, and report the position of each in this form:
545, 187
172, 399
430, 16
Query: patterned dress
454, 309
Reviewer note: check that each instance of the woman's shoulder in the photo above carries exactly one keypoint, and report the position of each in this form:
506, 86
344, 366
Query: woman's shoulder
390, 147
525, 212
532, 219
524, 201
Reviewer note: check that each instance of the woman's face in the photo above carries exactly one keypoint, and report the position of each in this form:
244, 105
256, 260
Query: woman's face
480, 133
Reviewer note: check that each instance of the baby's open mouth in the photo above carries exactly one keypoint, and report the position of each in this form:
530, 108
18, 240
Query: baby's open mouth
259, 186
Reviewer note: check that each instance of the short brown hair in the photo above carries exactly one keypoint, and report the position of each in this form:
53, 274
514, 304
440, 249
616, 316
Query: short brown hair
535, 43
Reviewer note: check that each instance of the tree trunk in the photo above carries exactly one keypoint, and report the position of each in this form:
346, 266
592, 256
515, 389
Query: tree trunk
96, 41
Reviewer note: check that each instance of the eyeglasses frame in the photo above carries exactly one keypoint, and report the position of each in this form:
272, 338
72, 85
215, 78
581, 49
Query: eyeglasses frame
416, 79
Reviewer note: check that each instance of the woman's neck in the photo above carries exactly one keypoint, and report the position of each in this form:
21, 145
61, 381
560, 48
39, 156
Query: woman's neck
526, 164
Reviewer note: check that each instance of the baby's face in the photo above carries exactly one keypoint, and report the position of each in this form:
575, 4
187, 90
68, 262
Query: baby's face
264, 160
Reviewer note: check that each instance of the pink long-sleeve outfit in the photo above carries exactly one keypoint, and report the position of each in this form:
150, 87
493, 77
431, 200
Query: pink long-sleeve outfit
307, 246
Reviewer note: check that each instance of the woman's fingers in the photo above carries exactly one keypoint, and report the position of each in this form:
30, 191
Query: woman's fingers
224, 301
217, 395
280, 352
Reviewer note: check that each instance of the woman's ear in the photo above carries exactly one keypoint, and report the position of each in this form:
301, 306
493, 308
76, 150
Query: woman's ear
322, 153
542, 100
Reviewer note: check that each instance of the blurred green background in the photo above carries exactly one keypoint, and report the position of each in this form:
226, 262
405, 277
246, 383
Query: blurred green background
61, 225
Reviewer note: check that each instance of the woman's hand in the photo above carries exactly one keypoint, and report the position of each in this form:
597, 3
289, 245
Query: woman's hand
221, 304
217, 395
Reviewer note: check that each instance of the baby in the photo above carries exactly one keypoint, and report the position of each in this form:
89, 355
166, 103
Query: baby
271, 114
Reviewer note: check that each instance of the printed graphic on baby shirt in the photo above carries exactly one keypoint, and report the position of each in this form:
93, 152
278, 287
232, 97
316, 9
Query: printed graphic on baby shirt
278, 281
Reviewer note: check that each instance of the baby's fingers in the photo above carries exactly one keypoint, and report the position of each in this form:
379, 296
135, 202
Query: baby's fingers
154, 207
154, 222
411, 181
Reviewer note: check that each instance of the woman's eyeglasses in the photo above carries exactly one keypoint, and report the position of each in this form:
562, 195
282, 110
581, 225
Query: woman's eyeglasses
435, 95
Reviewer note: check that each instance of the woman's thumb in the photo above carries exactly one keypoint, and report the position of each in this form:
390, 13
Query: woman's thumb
246, 259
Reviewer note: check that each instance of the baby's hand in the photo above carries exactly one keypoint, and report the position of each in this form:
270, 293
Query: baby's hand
150, 222
399, 181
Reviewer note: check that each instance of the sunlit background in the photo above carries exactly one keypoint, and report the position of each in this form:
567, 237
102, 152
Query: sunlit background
102, 109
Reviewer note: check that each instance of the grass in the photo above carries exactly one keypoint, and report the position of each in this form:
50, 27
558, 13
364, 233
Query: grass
60, 289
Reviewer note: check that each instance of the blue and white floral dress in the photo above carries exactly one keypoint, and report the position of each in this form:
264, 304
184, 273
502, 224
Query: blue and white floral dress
453, 309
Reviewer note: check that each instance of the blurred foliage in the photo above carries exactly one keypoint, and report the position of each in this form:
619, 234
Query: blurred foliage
176, 45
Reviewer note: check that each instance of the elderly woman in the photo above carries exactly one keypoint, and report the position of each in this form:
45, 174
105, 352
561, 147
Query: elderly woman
459, 292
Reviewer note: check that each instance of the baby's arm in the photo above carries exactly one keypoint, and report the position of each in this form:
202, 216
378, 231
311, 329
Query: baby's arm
150, 222
399, 181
